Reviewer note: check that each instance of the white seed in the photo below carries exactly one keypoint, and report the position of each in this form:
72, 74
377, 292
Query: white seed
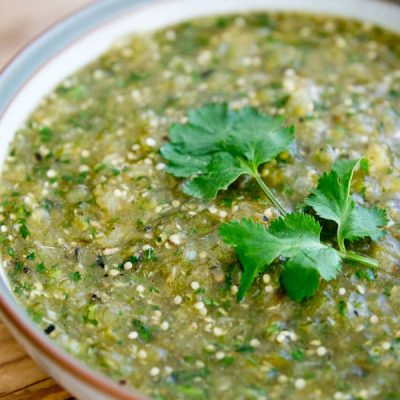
254, 343
374, 319
154, 371
213, 210
142, 354
266, 278
51, 173
300, 383
199, 305
338, 396
199, 364
195, 285
223, 214
110, 250
280, 338
133, 335
151, 142
177, 300
128, 265
342, 291
164, 326
175, 239
220, 355
218, 331
83, 168
140, 288
85, 153
160, 166
386, 345
234, 289
321, 351
268, 289
114, 272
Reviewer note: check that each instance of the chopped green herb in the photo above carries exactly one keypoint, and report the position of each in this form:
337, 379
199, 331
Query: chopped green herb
143, 332
41, 268
150, 254
45, 134
24, 231
298, 354
75, 276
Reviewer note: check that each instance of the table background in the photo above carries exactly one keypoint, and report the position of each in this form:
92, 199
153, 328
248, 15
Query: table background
20, 22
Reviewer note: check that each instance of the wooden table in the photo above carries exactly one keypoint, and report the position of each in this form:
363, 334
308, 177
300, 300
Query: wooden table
20, 21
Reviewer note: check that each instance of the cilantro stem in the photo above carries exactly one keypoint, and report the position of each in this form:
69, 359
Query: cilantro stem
367, 261
268, 192
340, 240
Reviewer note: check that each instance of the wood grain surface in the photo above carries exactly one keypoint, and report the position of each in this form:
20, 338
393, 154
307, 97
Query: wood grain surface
20, 22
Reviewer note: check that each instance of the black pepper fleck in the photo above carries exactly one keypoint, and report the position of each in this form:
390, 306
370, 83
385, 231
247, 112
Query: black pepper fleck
49, 329
100, 261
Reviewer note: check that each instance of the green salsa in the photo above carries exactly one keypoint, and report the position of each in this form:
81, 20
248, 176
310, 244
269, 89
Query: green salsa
127, 273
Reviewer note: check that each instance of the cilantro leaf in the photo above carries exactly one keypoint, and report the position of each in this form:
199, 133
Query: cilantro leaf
258, 137
298, 279
222, 170
365, 222
217, 145
296, 235
332, 200
185, 165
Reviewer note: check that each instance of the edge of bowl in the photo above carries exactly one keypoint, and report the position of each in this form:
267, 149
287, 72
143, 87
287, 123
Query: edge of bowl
98, 13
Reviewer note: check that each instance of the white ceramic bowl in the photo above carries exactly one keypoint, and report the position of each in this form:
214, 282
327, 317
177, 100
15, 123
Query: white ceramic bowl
70, 45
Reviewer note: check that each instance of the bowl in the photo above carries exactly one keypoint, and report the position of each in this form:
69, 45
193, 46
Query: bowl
71, 44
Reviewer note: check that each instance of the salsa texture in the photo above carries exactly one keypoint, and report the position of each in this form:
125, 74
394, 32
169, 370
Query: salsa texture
127, 273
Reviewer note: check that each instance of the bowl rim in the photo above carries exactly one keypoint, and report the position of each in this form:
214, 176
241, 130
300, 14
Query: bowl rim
99, 13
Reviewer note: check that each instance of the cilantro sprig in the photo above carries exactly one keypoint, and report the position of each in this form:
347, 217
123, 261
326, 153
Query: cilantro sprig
331, 200
296, 237
217, 145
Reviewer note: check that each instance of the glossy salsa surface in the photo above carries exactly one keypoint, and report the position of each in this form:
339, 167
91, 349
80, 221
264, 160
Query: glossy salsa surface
127, 273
